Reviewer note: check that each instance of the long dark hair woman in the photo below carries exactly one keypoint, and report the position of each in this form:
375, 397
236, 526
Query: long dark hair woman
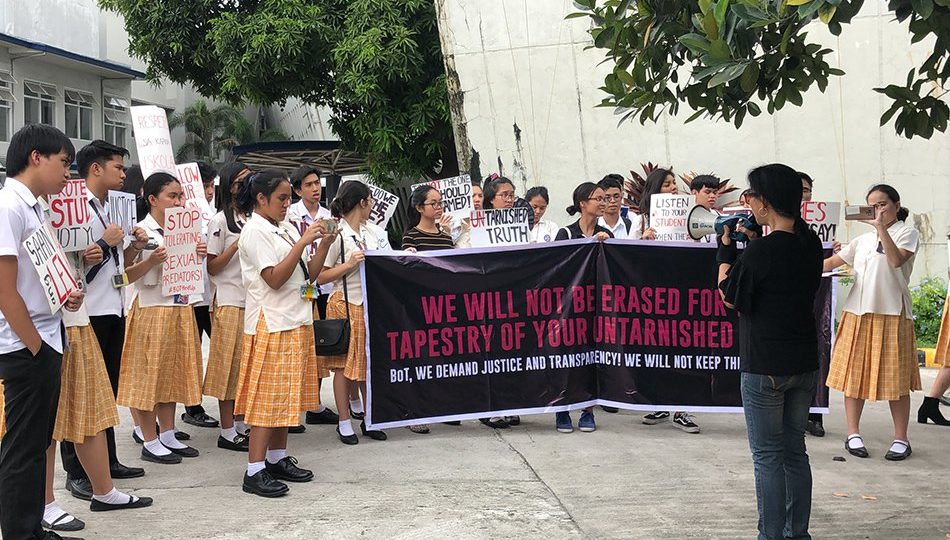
773, 285
428, 226
659, 181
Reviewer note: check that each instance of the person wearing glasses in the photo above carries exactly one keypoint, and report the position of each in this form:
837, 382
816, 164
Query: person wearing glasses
427, 229
618, 225
499, 193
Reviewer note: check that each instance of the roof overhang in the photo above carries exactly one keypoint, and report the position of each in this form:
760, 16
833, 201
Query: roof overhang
103, 68
327, 156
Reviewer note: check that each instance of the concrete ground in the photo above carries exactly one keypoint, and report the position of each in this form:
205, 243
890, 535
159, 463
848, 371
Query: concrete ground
627, 480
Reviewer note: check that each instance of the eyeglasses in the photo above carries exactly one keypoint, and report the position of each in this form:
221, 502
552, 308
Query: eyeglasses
507, 195
434, 204
615, 197
599, 199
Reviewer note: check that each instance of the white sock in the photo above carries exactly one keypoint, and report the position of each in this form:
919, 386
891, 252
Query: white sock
900, 446
854, 441
356, 405
229, 434
157, 448
115, 497
273, 456
54, 512
346, 428
138, 431
241, 427
255, 467
319, 409
169, 441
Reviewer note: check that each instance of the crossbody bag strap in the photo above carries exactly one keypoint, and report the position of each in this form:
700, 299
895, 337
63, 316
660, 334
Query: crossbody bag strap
346, 295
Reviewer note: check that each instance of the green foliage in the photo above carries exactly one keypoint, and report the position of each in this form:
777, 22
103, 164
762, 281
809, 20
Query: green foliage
376, 65
211, 131
928, 299
746, 55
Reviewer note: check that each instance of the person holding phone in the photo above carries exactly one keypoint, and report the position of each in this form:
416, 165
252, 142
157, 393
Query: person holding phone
875, 353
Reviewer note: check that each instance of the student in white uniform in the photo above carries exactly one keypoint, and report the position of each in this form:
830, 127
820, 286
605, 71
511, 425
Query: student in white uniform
618, 225
544, 230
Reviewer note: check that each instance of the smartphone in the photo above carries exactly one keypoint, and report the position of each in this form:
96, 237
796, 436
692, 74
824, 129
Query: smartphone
859, 213
329, 225
152, 245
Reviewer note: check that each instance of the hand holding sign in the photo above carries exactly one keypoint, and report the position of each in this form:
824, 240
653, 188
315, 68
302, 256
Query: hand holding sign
182, 272
113, 235
52, 266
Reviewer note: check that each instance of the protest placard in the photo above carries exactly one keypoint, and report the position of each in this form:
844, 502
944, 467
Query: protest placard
193, 190
122, 212
500, 227
52, 265
152, 139
182, 271
384, 205
668, 215
70, 216
823, 218
456, 194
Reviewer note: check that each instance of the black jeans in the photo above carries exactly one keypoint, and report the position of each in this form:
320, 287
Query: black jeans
31, 392
203, 320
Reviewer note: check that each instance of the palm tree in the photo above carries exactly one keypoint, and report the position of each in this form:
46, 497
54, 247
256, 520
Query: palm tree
211, 131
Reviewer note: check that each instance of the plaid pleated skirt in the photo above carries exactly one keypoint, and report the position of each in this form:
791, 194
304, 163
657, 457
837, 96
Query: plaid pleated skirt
943, 342
224, 359
278, 378
322, 371
161, 359
353, 363
874, 357
86, 404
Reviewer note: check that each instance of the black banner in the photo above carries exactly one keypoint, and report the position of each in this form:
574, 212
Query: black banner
466, 334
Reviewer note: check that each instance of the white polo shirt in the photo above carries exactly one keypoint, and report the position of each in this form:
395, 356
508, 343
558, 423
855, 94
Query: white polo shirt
544, 231
229, 289
264, 245
21, 214
619, 230
148, 288
879, 287
300, 217
101, 297
366, 239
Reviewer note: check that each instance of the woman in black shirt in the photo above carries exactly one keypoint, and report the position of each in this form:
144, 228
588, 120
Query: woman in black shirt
773, 286
427, 228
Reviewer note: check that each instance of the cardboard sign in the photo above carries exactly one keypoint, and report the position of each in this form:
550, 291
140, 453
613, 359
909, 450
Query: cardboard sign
193, 190
456, 194
384, 206
182, 271
668, 214
823, 218
122, 211
152, 140
51, 265
70, 216
501, 227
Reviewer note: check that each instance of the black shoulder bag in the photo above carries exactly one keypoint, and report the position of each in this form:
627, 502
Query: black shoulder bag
332, 336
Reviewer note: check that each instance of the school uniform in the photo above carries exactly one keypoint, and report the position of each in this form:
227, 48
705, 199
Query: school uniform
574, 231
875, 353
621, 229
227, 321
544, 231
161, 360
943, 341
300, 217
278, 375
353, 362
31, 383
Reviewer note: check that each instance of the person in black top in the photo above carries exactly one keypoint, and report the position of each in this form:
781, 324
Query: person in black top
773, 285
428, 226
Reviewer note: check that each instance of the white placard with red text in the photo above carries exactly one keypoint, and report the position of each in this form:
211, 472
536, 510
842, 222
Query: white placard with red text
456, 194
182, 271
500, 227
51, 265
668, 215
70, 216
193, 190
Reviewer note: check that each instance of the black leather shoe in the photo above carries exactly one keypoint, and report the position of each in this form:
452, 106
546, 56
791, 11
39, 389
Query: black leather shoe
187, 451
899, 456
513, 420
136, 438
141, 502
861, 451
347, 439
374, 434
356, 415
608, 409
72, 525
200, 419
453, 423
182, 436
264, 485
325, 417
119, 471
170, 459
815, 428
499, 423
298, 429
50, 535
239, 444
81, 488
287, 469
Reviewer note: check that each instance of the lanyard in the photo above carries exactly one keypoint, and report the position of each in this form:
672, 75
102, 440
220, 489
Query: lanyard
282, 234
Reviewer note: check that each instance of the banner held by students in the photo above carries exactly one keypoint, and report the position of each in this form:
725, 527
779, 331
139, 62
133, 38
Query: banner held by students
70, 217
553, 327
182, 272
152, 140
500, 227
52, 265
456, 194
668, 215
121, 207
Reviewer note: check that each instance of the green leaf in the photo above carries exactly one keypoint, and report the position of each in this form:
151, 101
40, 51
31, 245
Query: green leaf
827, 12
704, 6
836, 72
924, 8
798, 2
886, 117
625, 77
719, 50
754, 109
750, 76
721, 7
726, 75
696, 43
710, 26
576, 15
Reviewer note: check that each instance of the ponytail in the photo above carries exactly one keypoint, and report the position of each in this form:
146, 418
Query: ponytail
571, 210
903, 214
260, 183
581, 193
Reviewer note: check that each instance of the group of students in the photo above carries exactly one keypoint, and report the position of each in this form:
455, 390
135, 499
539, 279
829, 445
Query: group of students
275, 266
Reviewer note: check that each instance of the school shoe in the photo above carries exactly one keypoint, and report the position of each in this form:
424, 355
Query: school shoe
187, 451
563, 423
170, 459
891, 455
513, 420
374, 434
347, 439
81, 488
264, 485
586, 423
860, 451
496, 422
324, 417
287, 469
119, 471
181, 435
655, 418
74, 524
136, 438
685, 422
141, 502
50, 535
930, 410
239, 444
815, 428
609, 409
298, 429
199, 419
453, 423
357, 415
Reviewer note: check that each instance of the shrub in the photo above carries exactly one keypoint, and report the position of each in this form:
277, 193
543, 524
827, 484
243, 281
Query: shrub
928, 299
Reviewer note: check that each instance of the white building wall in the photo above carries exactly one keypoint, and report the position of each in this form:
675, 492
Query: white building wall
529, 90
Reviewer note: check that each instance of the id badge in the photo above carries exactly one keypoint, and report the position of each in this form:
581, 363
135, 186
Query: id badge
120, 280
180, 299
308, 292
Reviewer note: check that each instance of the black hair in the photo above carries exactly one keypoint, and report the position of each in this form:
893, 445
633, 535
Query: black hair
805, 177
892, 194
225, 203
612, 180
301, 172
260, 183
44, 139
348, 197
537, 191
491, 188
154, 183
780, 186
134, 182
417, 199
581, 194
708, 181
651, 186
207, 172
97, 151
